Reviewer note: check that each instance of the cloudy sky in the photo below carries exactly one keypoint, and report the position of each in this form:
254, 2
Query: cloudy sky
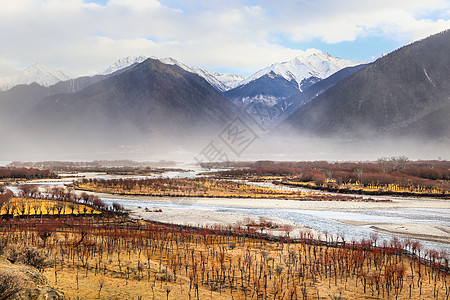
86, 36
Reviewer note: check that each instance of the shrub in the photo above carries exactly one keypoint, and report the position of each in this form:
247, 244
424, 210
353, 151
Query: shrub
34, 257
10, 284
27, 255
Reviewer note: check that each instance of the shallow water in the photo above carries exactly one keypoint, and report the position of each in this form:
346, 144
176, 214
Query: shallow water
324, 221
321, 220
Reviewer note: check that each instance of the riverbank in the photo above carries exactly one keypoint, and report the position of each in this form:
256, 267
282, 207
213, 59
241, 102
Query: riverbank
185, 211
396, 203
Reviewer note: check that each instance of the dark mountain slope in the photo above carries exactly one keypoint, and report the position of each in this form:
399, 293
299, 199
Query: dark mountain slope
151, 100
16, 102
268, 85
320, 87
273, 98
394, 95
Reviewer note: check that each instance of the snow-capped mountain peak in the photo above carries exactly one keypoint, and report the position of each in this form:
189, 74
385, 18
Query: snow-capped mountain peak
124, 62
317, 65
38, 73
222, 82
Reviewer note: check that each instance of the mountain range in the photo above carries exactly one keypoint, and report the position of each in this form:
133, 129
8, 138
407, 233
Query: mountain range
279, 89
152, 100
147, 100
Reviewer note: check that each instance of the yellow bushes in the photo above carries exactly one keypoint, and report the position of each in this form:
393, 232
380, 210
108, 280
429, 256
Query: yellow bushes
32, 207
190, 188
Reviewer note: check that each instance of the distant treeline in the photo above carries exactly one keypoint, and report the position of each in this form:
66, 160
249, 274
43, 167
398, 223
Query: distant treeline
96, 165
398, 171
432, 169
27, 173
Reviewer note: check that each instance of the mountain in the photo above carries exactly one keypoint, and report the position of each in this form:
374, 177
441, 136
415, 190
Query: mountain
37, 73
124, 62
404, 93
273, 92
266, 99
151, 101
304, 70
17, 101
222, 82
297, 100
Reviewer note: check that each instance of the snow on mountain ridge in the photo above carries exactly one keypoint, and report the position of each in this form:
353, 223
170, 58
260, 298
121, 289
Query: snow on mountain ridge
123, 63
38, 73
222, 82
302, 67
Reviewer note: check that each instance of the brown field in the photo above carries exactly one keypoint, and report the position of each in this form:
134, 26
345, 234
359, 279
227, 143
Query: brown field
114, 258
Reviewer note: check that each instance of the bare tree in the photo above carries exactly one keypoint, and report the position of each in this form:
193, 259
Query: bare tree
392, 164
117, 207
98, 203
359, 173
399, 162
36, 207
71, 206
59, 206
384, 164
9, 207
29, 189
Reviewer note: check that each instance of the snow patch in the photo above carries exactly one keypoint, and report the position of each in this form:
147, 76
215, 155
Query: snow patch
429, 79
124, 62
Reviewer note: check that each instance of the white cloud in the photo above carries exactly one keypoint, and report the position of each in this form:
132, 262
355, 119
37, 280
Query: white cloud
137, 5
77, 36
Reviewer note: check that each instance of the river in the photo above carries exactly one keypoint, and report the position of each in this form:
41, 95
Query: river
317, 215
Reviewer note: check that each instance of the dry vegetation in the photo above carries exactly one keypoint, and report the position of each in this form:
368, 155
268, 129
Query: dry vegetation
196, 187
117, 167
25, 173
57, 201
41, 207
393, 176
89, 255
113, 258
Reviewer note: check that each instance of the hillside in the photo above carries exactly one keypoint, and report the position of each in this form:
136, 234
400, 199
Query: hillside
403, 93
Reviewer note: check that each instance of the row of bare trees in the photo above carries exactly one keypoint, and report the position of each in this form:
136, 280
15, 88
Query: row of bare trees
235, 261
62, 201
25, 173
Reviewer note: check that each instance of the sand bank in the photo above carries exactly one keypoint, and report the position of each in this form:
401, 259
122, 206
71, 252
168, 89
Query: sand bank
429, 232
202, 218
